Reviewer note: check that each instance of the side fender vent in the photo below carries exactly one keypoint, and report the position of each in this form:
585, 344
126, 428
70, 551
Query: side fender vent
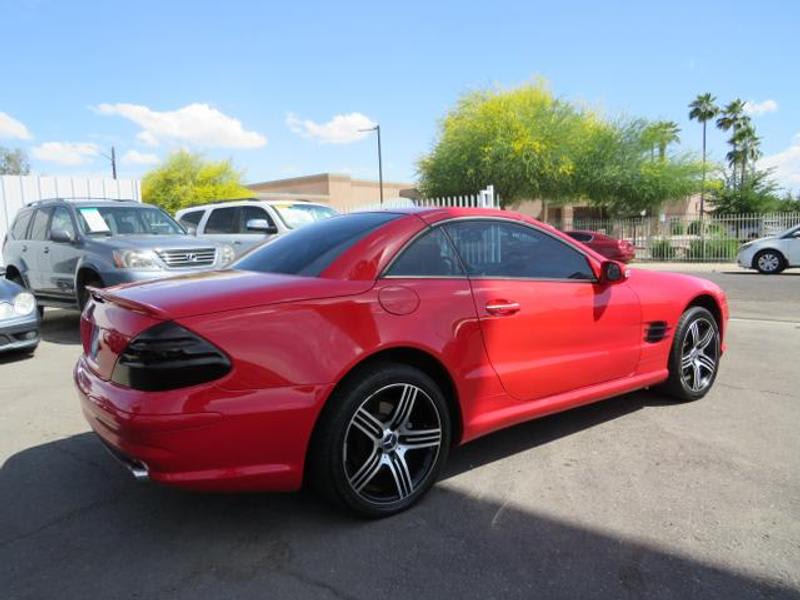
656, 331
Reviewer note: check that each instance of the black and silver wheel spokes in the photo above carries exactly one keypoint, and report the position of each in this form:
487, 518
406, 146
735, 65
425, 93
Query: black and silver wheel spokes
769, 262
391, 443
699, 355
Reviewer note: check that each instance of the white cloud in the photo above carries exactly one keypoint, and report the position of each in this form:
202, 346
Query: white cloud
65, 153
759, 108
134, 157
786, 165
341, 129
10, 128
194, 124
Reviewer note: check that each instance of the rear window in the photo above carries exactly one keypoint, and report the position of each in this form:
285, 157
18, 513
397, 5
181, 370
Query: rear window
310, 250
21, 225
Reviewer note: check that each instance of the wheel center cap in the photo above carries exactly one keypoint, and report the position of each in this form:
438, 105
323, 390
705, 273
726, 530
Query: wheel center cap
389, 441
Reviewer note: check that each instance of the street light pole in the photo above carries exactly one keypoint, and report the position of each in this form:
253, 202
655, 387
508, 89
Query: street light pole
380, 158
113, 162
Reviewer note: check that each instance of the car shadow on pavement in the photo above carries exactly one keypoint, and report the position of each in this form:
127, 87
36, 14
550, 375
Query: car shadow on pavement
73, 524
757, 274
61, 326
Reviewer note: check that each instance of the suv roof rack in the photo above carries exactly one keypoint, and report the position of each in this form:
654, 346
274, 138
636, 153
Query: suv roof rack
79, 199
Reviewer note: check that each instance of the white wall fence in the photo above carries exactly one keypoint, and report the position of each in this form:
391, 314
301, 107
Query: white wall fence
16, 191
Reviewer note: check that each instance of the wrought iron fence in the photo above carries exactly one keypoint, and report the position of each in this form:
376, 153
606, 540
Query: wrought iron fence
714, 238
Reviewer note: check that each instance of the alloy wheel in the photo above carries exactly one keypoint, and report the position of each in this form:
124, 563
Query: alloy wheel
699, 355
391, 443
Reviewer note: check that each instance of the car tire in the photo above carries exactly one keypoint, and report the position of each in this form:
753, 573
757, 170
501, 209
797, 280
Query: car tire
381, 441
769, 262
83, 293
694, 356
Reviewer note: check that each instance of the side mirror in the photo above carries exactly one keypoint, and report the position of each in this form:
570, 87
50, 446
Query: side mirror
261, 226
611, 272
62, 236
190, 229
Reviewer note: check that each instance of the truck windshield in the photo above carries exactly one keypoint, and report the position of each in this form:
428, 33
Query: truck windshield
297, 214
126, 220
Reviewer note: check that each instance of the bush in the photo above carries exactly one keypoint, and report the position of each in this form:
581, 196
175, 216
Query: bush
661, 249
716, 249
676, 228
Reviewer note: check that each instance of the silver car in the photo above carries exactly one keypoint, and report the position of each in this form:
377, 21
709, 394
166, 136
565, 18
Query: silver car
773, 254
19, 318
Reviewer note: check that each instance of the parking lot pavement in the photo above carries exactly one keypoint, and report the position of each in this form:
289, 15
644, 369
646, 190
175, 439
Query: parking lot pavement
631, 497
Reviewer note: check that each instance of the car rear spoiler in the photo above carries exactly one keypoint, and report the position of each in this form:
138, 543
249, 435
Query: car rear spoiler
106, 296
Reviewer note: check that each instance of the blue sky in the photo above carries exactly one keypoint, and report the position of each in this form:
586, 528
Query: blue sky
280, 87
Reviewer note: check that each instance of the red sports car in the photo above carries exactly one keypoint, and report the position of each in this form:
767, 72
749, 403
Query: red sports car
353, 353
621, 250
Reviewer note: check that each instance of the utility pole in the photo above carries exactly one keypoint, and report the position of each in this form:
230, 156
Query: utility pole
113, 162
380, 158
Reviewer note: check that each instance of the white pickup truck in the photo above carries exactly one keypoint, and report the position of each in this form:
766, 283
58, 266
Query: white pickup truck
250, 222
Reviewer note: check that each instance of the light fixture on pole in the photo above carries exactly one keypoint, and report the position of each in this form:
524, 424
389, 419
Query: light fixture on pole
380, 159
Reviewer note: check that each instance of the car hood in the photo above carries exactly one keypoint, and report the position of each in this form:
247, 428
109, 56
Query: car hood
150, 242
768, 238
221, 291
8, 290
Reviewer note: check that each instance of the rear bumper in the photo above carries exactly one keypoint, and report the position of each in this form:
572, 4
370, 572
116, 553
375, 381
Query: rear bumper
19, 333
224, 440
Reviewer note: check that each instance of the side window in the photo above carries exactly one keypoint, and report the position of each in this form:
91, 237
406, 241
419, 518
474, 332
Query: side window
39, 227
62, 220
252, 212
223, 220
503, 249
580, 236
191, 219
430, 255
21, 225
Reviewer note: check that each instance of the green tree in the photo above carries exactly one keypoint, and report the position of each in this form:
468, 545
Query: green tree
756, 194
702, 109
746, 148
660, 135
186, 179
732, 119
530, 144
14, 162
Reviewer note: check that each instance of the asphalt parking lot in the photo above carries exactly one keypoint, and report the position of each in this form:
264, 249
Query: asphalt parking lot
633, 497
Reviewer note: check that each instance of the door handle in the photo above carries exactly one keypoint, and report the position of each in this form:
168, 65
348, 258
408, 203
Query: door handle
47, 250
502, 308
24, 248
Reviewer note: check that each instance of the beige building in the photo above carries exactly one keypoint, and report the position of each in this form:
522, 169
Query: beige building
339, 191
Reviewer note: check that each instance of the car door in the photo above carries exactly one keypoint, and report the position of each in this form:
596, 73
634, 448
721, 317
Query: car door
792, 244
61, 258
222, 224
38, 261
548, 325
247, 238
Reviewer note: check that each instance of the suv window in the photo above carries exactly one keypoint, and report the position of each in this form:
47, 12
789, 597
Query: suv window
504, 249
21, 225
39, 227
311, 249
222, 220
430, 255
192, 219
62, 220
252, 212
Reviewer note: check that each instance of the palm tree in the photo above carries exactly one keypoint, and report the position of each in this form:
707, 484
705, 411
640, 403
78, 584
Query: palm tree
703, 109
733, 118
746, 148
666, 134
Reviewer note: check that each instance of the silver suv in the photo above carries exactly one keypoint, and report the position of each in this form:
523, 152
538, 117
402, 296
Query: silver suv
249, 222
58, 248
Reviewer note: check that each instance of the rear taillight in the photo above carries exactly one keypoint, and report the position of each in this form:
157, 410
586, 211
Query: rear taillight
167, 357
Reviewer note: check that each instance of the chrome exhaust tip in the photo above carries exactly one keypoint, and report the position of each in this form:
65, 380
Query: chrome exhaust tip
137, 468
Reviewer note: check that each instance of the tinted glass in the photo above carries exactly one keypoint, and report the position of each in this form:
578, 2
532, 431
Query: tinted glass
21, 225
311, 249
430, 255
502, 249
61, 220
581, 237
192, 218
39, 227
223, 220
252, 212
